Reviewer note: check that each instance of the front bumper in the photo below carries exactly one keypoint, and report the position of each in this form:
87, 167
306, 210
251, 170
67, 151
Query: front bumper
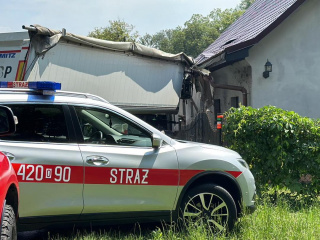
250, 209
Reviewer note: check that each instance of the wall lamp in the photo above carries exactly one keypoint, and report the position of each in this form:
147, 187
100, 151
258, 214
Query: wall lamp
267, 69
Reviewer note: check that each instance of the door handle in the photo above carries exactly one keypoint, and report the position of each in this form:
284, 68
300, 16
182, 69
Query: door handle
97, 160
10, 156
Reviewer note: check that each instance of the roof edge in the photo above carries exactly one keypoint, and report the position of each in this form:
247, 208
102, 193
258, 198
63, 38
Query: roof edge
258, 38
52, 37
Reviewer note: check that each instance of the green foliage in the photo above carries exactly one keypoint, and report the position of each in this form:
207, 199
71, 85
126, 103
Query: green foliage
245, 4
193, 38
196, 34
270, 221
160, 40
279, 221
281, 147
118, 31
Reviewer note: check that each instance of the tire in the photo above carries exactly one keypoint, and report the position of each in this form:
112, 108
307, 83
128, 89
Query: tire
210, 204
9, 225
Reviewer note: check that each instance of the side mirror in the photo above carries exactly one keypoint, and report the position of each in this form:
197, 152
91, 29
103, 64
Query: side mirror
156, 141
7, 121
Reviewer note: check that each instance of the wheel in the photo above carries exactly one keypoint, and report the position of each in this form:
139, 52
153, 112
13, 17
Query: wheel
9, 225
211, 204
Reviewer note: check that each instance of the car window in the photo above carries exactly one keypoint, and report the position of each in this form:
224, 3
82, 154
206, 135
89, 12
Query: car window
39, 123
4, 124
103, 127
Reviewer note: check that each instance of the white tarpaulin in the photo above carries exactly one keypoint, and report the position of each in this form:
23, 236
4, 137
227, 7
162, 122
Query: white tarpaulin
44, 39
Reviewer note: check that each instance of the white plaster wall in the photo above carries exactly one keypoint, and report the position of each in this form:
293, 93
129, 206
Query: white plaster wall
293, 48
237, 74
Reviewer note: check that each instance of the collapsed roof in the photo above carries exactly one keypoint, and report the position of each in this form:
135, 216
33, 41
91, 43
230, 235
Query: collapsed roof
53, 37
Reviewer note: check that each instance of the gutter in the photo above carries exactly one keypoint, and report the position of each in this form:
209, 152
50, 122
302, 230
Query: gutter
225, 59
234, 88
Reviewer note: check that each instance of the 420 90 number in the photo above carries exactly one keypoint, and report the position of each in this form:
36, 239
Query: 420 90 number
38, 173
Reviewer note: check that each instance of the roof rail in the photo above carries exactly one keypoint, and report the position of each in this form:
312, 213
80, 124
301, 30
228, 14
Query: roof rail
78, 94
57, 93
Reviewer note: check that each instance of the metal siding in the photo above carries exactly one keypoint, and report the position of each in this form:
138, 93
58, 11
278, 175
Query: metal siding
16, 44
119, 78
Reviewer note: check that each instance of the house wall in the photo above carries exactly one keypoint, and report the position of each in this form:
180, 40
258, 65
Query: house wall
293, 48
199, 123
237, 74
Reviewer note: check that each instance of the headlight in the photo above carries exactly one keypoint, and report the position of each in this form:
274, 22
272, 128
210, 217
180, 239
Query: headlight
243, 163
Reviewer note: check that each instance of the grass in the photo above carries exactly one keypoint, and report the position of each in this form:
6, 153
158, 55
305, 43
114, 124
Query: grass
278, 220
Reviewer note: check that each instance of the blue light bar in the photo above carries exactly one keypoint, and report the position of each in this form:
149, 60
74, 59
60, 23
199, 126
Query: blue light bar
3, 84
45, 85
36, 85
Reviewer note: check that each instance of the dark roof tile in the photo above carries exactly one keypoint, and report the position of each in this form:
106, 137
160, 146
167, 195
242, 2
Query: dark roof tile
259, 16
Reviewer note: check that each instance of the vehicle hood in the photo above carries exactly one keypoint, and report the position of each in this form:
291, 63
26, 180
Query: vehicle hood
192, 155
208, 146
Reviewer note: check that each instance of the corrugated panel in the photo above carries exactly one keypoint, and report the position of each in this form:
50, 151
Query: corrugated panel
13, 49
260, 15
7, 38
124, 80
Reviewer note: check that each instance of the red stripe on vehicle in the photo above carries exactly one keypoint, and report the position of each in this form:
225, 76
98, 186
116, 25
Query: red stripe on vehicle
131, 176
186, 175
234, 173
104, 175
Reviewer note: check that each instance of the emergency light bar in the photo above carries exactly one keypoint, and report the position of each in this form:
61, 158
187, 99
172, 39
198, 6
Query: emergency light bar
36, 85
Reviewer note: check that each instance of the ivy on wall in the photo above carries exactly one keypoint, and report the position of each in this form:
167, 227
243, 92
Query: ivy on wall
281, 147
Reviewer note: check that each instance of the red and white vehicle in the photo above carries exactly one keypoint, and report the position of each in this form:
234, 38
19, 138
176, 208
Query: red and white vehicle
81, 160
9, 188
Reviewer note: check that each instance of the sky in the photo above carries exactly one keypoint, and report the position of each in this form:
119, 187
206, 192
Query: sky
82, 16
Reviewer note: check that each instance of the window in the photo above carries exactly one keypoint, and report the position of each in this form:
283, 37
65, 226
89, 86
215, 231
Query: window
235, 102
99, 126
39, 123
4, 124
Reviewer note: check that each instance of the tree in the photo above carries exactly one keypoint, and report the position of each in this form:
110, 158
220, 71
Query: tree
160, 40
194, 37
245, 4
200, 32
196, 34
118, 31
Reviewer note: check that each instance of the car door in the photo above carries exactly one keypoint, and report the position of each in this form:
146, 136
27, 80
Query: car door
47, 161
123, 173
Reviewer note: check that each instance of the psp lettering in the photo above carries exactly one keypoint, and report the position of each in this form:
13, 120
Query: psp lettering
128, 176
4, 71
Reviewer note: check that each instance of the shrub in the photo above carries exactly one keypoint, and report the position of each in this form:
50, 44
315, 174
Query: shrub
281, 147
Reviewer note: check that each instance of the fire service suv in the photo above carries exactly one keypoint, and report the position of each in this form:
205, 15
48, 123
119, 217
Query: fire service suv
9, 188
79, 159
